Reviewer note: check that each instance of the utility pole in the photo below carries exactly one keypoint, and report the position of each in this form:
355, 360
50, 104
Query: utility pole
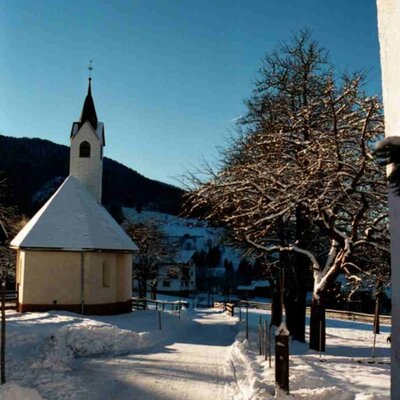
389, 40
3, 272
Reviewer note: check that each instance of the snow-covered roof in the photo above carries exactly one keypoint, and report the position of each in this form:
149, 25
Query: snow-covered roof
254, 284
72, 220
184, 256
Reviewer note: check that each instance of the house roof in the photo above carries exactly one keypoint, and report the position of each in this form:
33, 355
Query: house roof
184, 256
72, 220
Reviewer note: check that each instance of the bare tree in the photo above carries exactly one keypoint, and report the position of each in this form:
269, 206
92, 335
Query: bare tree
299, 178
153, 249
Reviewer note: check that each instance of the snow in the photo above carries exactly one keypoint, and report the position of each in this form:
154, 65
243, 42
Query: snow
345, 372
254, 284
72, 220
15, 392
204, 354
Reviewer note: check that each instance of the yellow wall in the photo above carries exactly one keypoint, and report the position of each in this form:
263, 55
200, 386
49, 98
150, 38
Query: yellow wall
95, 293
124, 277
45, 276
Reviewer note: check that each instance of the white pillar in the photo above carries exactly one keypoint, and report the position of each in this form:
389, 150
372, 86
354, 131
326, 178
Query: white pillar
389, 39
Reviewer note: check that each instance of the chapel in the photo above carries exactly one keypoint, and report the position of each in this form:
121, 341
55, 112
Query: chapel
72, 255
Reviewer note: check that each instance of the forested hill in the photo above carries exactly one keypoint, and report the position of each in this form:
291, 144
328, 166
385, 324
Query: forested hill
35, 168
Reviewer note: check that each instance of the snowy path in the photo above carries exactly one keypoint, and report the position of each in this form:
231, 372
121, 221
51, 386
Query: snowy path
194, 367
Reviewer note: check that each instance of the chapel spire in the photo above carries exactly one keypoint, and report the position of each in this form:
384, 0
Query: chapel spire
88, 109
87, 142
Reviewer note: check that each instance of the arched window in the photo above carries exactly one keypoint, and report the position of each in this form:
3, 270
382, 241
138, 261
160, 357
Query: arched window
84, 150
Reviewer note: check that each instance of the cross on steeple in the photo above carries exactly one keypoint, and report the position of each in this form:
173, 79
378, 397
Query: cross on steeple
90, 69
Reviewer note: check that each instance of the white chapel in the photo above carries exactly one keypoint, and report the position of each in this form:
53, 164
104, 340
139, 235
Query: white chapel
72, 255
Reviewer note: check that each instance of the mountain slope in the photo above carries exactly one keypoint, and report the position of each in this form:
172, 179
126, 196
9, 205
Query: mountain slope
36, 167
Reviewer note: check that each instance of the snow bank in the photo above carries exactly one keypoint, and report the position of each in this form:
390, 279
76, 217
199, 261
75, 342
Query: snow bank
337, 377
89, 339
11, 391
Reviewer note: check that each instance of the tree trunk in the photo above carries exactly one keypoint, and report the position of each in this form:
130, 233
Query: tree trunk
153, 292
142, 287
296, 284
276, 308
295, 299
317, 323
376, 326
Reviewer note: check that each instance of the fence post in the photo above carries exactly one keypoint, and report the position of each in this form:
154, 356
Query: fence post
240, 312
17, 297
260, 335
247, 321
282, 359
265, 340
270, 346
159, 320
163, 306
3, 327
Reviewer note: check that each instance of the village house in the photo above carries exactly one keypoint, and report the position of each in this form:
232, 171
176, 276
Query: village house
72, 255
177, 276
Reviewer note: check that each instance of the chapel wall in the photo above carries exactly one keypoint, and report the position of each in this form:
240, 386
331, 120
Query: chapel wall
37, 285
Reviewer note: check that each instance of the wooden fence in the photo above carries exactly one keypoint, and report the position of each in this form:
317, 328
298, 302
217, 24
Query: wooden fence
146, 304
229, 307
334, 314
11, 299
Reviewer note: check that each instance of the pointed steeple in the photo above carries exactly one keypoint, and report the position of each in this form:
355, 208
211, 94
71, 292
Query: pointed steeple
88, 109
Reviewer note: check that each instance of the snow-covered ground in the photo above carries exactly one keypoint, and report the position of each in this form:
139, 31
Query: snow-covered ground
60, 355
345, 371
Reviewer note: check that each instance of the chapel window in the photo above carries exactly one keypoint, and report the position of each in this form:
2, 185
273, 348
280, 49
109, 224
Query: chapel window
84, 150
106, 275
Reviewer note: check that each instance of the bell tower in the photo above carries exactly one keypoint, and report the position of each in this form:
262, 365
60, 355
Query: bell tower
86, 150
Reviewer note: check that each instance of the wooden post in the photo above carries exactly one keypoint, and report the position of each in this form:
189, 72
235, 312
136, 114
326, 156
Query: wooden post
240, 312
82, 284
260, 335
3, 328
265, 340
376, 327
17, 305
159, 320
247, 321
282, 361
163, 306
270, 346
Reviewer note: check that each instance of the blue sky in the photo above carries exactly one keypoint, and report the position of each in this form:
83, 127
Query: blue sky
169, 75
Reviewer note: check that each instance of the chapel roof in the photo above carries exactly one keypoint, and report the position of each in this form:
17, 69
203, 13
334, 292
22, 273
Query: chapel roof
72, 220
89, 115
88, 110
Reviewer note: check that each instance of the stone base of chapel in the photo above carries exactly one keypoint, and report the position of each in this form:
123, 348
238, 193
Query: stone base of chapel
88, 309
